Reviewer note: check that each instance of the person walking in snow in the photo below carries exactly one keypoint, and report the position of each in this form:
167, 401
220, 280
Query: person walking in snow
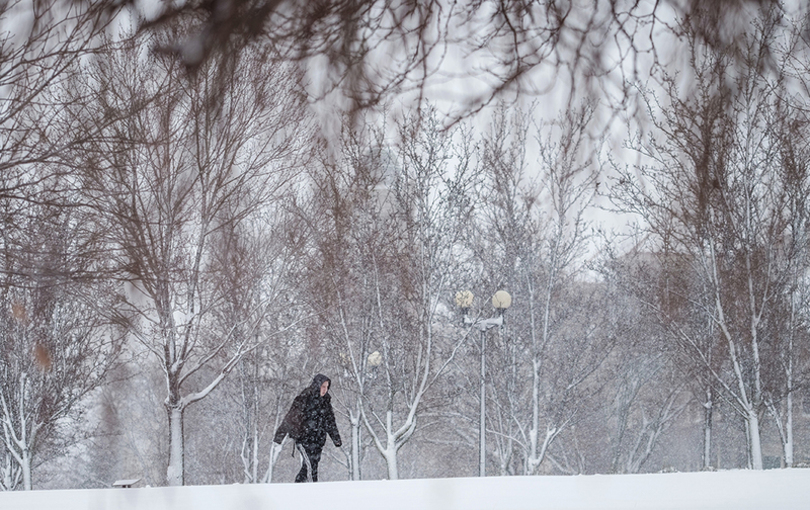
308, 421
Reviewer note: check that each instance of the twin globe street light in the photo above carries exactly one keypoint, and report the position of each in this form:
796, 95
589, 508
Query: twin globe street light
501, 300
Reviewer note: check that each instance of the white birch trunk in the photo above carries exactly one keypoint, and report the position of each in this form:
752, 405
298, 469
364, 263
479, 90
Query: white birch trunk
255, 454
747, 402
788, 441
534, 459
354, 419
11, 474
390, 455
390, 452
537, 458
482, 416
708, 409
25, 441
25, 465
275, 453
754, 441
252, 469
175, 470
18, 440
789, 432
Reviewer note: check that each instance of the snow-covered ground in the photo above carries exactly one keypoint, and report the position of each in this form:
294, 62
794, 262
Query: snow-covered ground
733, 490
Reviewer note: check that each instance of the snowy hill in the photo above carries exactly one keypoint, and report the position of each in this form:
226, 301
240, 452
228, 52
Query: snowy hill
732, 490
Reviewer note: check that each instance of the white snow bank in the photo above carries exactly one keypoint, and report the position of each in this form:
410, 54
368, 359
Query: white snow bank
734, 490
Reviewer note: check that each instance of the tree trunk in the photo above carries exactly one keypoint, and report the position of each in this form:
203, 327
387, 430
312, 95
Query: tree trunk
754, 441
534, 431
789, 432
252, 471
482, 418
788, 441
26, 469
176, 470
391, 462
11, 474
275, 453
355, 453
707, 428
390, 452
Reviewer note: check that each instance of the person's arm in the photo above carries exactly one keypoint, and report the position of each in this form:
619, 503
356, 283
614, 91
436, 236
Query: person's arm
292, 422
331, 426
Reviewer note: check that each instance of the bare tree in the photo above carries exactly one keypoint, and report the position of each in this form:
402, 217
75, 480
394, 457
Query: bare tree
554, 325
649, 399
353, 193
507, 233
373, 48
647, 387
171, 179
42, 43
792, 327
386, 265
56, 347
267, 265
713, 191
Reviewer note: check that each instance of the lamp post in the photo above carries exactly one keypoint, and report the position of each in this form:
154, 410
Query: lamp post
500, 301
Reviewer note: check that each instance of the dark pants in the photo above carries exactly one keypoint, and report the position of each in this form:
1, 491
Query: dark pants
310, 456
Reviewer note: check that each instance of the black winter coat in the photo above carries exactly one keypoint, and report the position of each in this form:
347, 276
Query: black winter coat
310, 418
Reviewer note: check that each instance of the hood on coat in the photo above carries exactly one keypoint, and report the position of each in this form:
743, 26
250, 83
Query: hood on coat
318, 380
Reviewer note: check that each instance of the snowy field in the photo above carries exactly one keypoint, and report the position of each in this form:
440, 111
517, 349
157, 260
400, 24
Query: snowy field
732, 490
